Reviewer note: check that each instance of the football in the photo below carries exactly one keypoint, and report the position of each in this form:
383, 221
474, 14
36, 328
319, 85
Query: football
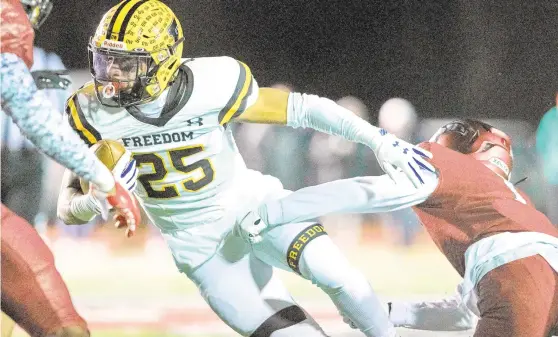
109, 152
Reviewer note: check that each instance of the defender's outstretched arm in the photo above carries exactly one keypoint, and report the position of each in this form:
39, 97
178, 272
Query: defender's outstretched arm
44, 126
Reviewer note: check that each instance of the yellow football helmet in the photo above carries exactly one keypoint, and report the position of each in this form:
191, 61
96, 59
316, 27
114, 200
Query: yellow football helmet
135, 52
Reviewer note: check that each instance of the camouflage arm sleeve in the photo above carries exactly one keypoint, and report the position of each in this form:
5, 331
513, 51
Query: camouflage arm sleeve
45, 127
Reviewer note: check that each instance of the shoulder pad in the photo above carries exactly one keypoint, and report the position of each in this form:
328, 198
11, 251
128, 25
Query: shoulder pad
87, 89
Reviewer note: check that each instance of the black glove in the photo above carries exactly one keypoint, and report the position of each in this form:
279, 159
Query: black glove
51, 79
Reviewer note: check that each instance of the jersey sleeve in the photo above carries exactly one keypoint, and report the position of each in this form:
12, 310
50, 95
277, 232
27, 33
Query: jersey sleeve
357, 195
244, 94
79, 123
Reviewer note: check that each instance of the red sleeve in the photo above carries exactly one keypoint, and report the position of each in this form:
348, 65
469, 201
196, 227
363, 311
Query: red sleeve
16, 32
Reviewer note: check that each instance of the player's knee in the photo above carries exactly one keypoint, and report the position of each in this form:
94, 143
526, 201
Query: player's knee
334, 284
324, 265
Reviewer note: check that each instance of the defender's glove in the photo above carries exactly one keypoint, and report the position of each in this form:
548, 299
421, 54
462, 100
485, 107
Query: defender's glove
127, 210
392, 151
251, 227
123, 203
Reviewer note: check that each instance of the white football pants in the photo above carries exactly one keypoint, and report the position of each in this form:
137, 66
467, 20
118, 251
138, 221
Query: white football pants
239, 285
237, 281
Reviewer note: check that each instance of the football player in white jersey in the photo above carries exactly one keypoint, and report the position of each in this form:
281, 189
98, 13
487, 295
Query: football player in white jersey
173, 115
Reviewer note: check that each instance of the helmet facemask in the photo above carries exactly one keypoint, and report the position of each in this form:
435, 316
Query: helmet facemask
485, 143
121, 78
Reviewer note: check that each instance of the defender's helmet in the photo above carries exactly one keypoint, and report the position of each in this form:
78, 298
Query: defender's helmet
135, 52
479, 140
37, 11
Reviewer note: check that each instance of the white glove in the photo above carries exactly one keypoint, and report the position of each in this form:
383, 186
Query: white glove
125, 171
392, 151
251, 227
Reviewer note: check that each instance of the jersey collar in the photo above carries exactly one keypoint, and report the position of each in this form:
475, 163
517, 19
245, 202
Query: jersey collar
179, 94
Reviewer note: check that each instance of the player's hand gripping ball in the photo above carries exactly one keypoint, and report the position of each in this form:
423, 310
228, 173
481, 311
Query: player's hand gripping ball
119, 160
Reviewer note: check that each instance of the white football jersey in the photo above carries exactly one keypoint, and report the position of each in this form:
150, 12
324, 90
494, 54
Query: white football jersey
187, 158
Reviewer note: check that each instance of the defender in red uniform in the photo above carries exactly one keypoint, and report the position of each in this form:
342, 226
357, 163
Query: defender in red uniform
33, 293
506, 250
515, 298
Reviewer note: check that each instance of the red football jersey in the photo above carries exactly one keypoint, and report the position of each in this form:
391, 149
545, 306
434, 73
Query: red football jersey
16, 32
470, 203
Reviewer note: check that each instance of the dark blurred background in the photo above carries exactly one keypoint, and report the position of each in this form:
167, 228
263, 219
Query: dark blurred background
474, 58
407, 66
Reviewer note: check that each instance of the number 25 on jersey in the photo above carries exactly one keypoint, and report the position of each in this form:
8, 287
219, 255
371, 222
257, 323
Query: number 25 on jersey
154, 182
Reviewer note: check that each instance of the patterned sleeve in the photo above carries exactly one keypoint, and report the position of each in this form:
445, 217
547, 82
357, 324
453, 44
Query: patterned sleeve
44, 126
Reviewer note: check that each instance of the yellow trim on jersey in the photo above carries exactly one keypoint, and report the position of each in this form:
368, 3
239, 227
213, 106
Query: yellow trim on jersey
80, 125
237, 102
270, 108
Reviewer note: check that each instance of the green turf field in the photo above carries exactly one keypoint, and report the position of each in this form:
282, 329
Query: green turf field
109, 287
392, 271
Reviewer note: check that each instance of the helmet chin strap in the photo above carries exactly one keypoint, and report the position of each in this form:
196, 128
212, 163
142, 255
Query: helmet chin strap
498, 163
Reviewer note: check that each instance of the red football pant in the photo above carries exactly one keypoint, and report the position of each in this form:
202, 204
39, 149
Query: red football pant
518, 299
33, 293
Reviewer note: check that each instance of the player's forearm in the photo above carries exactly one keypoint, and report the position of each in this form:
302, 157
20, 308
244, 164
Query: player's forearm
73, 207
44, 126
76, 211
444, 315
322, 114
356, 195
